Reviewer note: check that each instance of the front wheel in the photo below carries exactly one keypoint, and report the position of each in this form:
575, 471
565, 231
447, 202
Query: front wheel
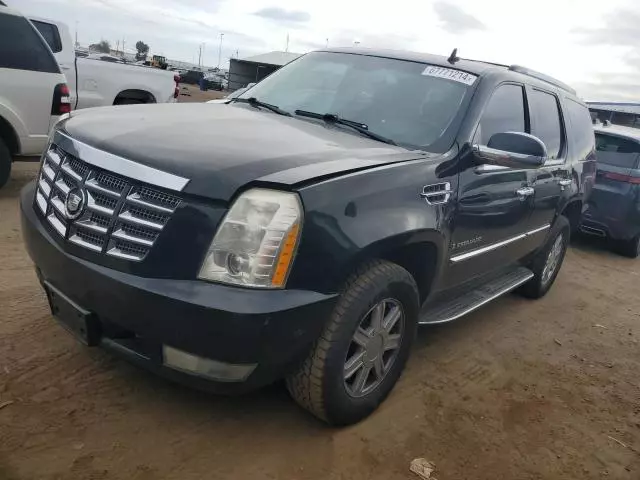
547, 262
363, 348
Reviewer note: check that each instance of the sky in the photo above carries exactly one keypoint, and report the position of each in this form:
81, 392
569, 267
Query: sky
593, 46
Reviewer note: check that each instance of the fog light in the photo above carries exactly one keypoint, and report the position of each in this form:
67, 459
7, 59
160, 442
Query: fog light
205, 367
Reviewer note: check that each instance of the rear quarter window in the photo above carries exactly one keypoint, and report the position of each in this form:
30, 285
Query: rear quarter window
21, 48
50, 34
617, 151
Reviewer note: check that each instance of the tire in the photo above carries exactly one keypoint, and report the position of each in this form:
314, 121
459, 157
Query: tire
542, 281
628, 248
5, 164
319, 385
128, 101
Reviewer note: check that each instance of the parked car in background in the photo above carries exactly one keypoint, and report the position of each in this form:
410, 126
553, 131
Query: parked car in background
191, 77
214, 81
232, 95
33, 92
613, 210
304, 230
102, 79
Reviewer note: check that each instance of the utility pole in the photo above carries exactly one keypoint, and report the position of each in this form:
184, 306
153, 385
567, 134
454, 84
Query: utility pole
220, 50
327, 45
77, 44
200, 55
287, 47
123, 47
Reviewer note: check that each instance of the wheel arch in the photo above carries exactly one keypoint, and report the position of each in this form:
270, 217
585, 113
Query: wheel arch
143, 96
9, 136
420, 253
573, 212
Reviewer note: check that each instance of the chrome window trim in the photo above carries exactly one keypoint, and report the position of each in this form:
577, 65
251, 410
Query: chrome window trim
495, 246
119, 165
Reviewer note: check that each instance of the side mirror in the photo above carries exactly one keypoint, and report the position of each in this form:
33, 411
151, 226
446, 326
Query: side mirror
513, 150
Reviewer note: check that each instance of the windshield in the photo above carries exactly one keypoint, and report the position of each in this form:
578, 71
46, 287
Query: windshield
408, 102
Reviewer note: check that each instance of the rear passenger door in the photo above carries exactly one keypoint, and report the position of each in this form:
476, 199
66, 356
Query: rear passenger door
553, 179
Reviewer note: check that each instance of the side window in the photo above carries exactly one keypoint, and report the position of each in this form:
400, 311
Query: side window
21, 48
616, 151
50, 33
547, 125
581, 128
503, 113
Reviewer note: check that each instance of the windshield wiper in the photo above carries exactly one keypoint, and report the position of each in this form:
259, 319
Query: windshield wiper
254, 102
359, 126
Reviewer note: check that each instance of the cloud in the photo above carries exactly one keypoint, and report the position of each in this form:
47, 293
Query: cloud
611, 87
392, 41
455, 20
278, 14
620, 28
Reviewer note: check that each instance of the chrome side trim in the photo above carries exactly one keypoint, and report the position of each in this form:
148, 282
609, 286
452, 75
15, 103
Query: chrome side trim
488, 248
494, 246
119, 165
538, 230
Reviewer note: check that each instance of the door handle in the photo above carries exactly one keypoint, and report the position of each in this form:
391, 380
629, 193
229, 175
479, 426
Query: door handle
565, 182
525, 192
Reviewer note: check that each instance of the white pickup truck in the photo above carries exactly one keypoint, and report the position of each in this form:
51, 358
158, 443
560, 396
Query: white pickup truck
97, 83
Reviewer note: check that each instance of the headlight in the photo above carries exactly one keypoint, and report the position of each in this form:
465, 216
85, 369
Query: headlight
257, 240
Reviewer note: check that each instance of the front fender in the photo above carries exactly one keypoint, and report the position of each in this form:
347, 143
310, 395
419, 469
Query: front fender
363, 215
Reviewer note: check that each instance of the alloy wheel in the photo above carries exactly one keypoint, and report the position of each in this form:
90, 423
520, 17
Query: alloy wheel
553, 259
374, 347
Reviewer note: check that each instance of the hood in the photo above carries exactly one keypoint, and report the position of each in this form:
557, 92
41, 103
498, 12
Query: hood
220, 148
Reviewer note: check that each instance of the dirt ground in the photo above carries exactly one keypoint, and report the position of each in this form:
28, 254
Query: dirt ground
519, 390
191, 93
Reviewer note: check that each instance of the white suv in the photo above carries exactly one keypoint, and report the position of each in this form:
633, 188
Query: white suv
33, 92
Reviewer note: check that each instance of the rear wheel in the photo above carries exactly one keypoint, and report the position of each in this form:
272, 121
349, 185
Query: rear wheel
5, 164
628, 248
547, 262
363, 348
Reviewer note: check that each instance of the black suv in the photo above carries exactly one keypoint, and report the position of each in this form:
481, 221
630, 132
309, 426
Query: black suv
304, 230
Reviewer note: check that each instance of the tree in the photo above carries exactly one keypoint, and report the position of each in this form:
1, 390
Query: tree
143, 50
103, 46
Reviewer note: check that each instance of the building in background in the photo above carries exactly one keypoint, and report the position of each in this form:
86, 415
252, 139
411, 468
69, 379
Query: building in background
243, 71
627, 114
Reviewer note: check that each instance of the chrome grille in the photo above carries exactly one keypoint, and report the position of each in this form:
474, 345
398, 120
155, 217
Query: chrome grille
120, 217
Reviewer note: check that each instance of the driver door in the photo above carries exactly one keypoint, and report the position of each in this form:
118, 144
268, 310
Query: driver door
494, 203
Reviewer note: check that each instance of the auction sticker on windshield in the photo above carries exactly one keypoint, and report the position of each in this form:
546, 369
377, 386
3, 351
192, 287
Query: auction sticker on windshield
449, 74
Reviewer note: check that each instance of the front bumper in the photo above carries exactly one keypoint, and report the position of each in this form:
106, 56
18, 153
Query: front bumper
138, 316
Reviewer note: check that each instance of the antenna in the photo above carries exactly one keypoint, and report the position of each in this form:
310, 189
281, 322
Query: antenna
453, 58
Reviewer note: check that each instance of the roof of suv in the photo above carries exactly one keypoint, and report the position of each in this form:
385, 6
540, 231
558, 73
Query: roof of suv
476, 67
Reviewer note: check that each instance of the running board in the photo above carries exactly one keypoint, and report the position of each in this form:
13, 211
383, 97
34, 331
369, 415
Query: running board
457, 307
